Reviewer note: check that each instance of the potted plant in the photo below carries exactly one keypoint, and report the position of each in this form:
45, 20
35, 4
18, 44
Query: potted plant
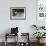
39, 35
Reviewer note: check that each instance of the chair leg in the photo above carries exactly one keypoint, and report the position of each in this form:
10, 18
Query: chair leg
5, 43
5, 40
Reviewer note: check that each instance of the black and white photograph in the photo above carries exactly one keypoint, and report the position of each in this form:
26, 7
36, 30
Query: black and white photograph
17, 13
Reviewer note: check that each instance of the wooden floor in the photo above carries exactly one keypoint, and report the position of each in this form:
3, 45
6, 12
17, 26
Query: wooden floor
13, 44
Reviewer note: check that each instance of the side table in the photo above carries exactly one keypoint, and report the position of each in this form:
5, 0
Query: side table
8, 34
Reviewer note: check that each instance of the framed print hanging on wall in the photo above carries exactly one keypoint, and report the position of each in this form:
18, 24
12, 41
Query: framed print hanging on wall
17, 13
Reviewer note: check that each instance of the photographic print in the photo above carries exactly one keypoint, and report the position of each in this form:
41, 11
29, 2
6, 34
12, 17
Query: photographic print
17, 13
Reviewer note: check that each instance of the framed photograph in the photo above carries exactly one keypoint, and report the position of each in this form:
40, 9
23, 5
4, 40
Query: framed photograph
17, 13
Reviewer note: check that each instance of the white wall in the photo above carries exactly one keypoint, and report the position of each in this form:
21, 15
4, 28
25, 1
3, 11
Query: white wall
24, 25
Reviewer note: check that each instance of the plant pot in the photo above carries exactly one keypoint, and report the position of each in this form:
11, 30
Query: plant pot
40, 41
